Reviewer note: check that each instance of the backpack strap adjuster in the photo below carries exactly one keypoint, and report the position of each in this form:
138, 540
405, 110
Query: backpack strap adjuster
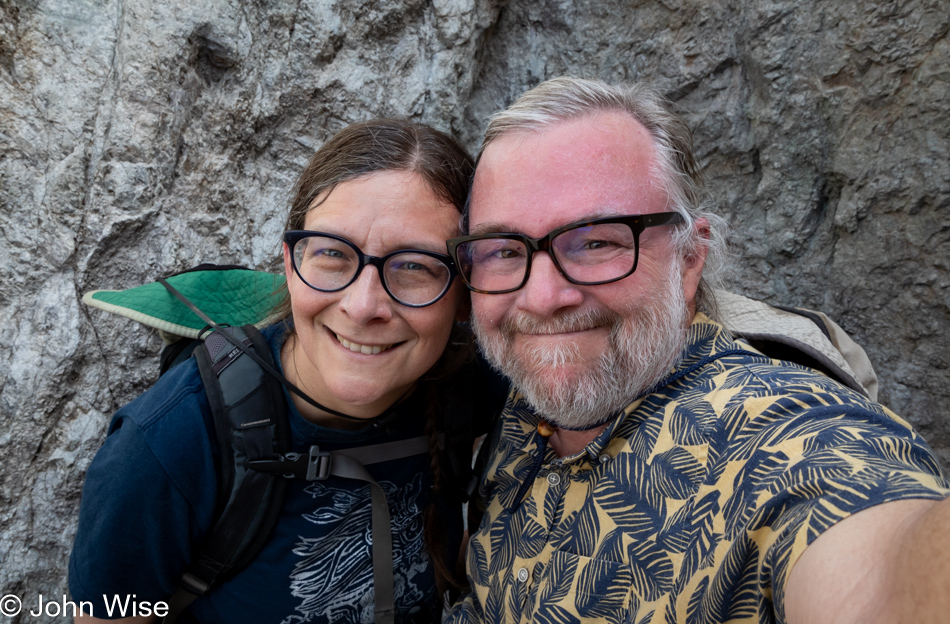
318, 464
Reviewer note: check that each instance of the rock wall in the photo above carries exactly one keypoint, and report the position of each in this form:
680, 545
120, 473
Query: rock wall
140, 138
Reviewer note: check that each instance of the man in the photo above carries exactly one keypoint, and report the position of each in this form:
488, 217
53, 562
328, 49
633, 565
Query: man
648, 467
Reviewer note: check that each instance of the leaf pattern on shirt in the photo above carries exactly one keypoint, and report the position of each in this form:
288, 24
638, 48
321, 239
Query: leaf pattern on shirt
693, 505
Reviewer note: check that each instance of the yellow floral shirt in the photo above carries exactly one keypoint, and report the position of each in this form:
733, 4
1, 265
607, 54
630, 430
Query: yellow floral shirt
694, 504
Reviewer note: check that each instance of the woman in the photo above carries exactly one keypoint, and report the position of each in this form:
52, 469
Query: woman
371, 336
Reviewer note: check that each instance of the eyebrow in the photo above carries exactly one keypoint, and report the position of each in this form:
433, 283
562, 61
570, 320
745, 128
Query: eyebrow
490, 227
493, 227
423, 245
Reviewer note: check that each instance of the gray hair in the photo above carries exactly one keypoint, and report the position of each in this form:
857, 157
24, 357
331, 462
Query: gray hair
566, 98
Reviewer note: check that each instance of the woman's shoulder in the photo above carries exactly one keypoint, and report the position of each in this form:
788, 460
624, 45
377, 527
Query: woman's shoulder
177, 404
148, 492
177, 395
170, 423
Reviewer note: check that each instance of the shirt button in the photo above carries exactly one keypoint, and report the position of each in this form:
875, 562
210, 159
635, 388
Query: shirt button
554, 478
523, 575
604, 458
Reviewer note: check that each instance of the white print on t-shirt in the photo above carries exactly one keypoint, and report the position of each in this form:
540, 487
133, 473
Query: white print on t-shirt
334, 577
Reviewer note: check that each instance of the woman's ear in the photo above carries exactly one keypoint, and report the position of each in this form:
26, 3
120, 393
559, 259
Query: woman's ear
288, 266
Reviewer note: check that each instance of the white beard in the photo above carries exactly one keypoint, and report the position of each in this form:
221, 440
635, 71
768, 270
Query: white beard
643, 346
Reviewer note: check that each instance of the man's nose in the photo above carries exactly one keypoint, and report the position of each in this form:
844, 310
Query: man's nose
365, 299
547, 291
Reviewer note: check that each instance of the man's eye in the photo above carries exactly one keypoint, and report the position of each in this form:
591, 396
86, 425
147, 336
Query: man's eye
596, 244
493, 251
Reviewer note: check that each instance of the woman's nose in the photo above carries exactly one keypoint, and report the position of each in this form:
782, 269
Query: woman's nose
365, 299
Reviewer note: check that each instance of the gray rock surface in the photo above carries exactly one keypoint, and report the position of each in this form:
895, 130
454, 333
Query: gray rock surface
140, 138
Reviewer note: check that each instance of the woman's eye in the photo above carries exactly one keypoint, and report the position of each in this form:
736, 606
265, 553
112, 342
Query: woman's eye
326, 258
414, 267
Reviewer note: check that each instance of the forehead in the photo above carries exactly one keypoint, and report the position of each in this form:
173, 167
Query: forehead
385, 211
598, 165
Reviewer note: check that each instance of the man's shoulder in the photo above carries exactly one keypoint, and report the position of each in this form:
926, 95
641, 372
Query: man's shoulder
761, 374
781, 351
760, 385
741, 393
734, 369
777, 407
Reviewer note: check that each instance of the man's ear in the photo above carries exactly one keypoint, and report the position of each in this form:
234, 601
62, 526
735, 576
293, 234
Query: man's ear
695, 260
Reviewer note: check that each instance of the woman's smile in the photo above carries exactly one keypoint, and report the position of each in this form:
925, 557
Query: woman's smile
365, 349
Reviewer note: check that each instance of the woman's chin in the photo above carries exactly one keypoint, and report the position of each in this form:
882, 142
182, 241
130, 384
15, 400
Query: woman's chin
365, 400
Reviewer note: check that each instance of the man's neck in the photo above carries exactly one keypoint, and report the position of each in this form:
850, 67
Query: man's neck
566, 443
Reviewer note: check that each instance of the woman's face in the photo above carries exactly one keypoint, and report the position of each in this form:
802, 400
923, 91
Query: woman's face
380, 213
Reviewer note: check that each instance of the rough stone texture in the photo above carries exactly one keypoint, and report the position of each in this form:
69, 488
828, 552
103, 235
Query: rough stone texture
140, 138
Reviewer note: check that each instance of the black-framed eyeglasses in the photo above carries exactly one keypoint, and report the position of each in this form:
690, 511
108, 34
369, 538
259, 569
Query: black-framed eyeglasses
592, 252
328, 263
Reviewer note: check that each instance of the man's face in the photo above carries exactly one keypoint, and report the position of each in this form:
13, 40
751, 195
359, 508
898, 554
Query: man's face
580, 353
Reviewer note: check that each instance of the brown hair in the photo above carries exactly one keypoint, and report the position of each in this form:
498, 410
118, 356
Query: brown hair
445, 166
384, 145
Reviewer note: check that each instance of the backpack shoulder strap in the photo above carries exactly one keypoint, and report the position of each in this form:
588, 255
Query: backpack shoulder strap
251, 424
801, 336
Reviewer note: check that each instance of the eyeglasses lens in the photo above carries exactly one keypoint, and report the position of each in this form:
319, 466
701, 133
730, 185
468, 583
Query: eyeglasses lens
596, 253
493, 264
416, 279
412, 278
587, 254
325, 263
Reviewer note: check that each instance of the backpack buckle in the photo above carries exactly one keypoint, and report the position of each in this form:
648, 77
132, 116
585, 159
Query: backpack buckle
318, 464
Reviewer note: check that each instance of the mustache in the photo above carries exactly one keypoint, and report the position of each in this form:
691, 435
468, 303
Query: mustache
571, 321
563, 353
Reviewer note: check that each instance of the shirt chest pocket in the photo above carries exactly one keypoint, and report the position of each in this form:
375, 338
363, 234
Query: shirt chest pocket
578, 588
